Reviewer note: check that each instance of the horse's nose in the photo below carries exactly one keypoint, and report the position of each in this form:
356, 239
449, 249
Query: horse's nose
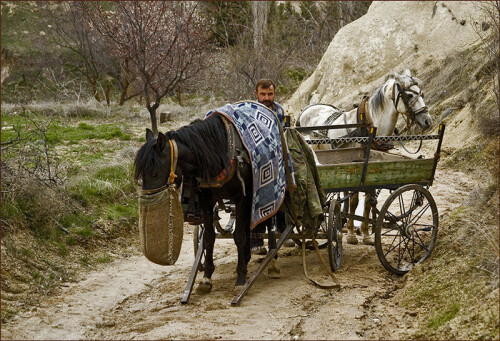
427, 123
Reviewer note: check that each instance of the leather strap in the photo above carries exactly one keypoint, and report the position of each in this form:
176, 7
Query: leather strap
304, 265
362, 116
173, 161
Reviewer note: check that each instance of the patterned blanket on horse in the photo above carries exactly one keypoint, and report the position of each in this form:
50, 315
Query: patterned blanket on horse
259, 131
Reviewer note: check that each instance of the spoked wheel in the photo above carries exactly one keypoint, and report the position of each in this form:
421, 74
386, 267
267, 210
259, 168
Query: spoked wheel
406, 229
334, 234
224, 218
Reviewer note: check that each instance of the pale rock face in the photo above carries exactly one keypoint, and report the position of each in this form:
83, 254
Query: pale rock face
391, 37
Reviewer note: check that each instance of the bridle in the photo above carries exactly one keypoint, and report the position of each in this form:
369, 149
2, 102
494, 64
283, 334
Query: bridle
173, 165
403, 95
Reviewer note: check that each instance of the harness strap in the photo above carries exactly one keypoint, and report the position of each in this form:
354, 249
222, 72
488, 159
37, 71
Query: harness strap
304, 265
173, 161
154, 190
362, 116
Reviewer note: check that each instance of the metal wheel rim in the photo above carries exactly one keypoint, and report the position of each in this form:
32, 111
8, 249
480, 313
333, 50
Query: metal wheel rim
406, 229
334, 234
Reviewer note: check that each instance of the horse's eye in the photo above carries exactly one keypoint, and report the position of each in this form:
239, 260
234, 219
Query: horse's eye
410, 95
422, 95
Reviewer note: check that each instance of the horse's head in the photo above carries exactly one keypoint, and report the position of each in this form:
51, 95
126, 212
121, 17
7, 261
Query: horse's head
409, 99
153, 162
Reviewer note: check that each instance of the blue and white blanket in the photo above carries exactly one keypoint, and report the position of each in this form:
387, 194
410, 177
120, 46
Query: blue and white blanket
259, 131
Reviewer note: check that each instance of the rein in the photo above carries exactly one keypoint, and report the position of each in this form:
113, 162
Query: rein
173, 161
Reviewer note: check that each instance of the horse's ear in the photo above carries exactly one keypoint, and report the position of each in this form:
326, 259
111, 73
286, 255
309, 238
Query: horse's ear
161, 142
149, 134
407, 73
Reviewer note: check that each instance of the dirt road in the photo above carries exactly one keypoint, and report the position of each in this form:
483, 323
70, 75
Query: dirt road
133, 298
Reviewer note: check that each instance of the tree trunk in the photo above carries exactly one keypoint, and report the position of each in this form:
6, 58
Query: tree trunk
152, 114
93, 85
260, 10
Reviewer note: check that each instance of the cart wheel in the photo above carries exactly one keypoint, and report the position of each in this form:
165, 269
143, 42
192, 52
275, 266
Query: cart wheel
196, 243
406, 229
224, 218
334, 234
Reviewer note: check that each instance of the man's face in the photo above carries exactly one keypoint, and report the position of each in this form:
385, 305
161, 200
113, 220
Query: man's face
265, 96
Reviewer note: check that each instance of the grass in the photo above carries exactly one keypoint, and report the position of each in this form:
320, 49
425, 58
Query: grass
456, 295
32, 125
443, 316
96, 205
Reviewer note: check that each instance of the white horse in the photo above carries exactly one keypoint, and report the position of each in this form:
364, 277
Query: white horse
400, 94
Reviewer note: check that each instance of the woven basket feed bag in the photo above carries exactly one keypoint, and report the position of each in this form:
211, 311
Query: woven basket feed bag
161, 226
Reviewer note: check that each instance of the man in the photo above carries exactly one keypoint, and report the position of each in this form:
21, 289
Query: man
265, 92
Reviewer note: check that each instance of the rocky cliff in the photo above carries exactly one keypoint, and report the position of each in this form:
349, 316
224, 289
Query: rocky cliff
436, 40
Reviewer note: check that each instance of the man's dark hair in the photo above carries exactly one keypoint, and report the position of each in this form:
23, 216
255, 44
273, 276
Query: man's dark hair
265, 83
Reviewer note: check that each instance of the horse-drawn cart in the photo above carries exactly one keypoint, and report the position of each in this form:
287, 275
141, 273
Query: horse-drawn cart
405, 227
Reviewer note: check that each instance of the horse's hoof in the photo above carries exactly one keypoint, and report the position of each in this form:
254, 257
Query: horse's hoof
367, 240
238, 287
352, 239
205, 286
273, 271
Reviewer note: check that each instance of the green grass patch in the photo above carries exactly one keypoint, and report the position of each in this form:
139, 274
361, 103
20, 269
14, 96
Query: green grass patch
104, 259
84, 131
444, 316
84, 231
27, 252
76, 219
117, 211
465, 159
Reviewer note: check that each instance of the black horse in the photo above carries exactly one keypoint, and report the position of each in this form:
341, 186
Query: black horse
203, 153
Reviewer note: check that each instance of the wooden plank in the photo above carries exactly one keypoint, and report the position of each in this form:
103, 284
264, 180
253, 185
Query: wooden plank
194, 270
399, 172
340, 175
347, 175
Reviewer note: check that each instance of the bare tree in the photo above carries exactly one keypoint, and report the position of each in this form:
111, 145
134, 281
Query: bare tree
71, 33
260, 11
488, 31
164, 43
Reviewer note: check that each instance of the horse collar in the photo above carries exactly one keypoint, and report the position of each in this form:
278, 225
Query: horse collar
362, 115
173, 161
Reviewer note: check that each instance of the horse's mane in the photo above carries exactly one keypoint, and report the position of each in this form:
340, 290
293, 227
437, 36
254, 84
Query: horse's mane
206, 139
145, 158
377, 100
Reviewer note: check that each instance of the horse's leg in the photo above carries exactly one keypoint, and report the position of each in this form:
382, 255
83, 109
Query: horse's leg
367, 238
205, 285
241, 236
353, 204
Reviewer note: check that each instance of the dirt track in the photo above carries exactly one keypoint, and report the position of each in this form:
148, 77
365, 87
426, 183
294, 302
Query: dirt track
133, 298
